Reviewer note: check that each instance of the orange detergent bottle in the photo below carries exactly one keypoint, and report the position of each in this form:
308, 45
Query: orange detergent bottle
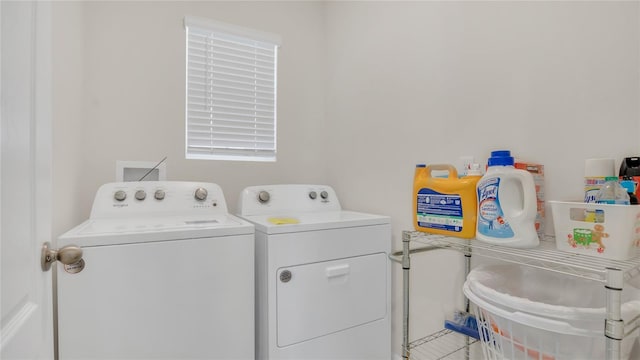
445, 205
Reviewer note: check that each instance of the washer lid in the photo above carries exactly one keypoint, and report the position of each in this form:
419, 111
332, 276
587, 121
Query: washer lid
312, 221
112, 231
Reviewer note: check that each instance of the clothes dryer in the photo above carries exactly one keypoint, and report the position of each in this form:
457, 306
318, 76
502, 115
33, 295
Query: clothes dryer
166, 273
322, 275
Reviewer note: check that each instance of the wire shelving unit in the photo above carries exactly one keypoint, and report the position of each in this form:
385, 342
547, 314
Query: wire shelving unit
611, 273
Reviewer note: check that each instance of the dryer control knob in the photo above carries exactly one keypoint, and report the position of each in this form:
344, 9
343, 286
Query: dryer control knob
324, 194
159, 195
200, 194
263, 197
313, 195
141, 195
120, 195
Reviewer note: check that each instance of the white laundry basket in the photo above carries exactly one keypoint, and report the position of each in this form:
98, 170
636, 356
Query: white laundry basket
528, 313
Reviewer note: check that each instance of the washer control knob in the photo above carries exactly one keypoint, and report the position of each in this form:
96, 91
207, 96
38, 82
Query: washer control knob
159, 195
263, 197
120, 195
313, 195
140, 195
324, 195
200, 194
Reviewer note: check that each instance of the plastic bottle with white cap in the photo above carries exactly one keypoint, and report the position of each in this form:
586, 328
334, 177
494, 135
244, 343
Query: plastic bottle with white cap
507, 204
630, 187
595, 173
612, 193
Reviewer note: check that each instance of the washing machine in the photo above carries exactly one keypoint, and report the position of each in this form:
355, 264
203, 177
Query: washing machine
166, 273
323, 275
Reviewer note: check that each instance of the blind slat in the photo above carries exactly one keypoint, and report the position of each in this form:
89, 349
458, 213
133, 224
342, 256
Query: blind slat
238, 101
263, 130
229, 89
231, 106
233, 72
220, 94
236, 115
222, 80
204, 52
235, 146
218, 69
242, 115
230, 132
202, 42
199, 90
231, 96
206, 125
233, 142
210, 59
203, 139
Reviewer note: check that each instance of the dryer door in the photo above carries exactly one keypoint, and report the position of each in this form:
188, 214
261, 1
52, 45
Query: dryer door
317, 299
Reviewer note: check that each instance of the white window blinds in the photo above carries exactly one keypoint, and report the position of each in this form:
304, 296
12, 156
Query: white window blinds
231, 92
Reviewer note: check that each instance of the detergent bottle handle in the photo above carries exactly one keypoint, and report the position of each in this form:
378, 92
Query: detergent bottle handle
529, 199
453, 173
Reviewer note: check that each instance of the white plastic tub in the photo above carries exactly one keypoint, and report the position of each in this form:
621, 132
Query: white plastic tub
600, 230
528, 313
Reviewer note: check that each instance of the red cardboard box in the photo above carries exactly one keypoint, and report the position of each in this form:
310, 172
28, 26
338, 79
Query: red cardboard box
537, 170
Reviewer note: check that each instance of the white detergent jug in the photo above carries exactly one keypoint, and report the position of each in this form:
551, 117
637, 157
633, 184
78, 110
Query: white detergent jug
506, 204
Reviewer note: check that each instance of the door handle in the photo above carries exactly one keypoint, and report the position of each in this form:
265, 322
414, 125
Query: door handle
67, 255
335, 271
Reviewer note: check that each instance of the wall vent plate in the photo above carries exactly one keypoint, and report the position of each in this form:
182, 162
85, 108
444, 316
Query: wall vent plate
135, 170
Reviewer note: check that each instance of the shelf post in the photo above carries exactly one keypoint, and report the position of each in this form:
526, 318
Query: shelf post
467, 270
406, 266
613, 324
467, 304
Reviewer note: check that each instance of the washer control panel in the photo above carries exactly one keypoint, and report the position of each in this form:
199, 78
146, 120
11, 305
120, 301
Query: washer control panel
158, 197
289, 199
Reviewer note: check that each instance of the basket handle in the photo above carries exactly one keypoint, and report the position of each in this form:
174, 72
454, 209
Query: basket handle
524, 318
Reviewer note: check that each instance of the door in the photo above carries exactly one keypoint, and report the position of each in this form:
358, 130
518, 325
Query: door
26, 328
322, 298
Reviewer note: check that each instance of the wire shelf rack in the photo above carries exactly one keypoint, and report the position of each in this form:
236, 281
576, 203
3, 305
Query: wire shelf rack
445, 345
545, 256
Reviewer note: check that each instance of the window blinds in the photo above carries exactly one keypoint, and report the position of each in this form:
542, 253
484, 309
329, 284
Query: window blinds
231, 92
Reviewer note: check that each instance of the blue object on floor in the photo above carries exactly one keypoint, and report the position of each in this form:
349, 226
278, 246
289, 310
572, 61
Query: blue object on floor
463, 323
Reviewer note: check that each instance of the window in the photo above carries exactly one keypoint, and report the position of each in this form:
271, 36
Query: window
231, 92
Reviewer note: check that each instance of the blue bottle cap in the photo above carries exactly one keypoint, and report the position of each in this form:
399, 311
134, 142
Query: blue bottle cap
500, 157
421, 165
628, 185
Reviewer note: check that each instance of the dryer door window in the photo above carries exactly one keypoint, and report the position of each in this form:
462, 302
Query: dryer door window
317, 299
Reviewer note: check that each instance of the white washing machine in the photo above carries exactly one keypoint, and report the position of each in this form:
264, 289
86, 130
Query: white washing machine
323, 275
166, 273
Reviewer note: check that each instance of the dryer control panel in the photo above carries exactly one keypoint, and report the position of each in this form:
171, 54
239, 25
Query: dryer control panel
287, 198
121, 199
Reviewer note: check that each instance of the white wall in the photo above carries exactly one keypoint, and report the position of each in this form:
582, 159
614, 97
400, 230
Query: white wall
120, 80
428, 82
366, 91
68, 115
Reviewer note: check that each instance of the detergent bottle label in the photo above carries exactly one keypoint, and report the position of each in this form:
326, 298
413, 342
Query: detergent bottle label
439, 211
491, 221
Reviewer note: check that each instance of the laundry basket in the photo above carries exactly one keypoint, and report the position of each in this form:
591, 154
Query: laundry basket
528, 313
